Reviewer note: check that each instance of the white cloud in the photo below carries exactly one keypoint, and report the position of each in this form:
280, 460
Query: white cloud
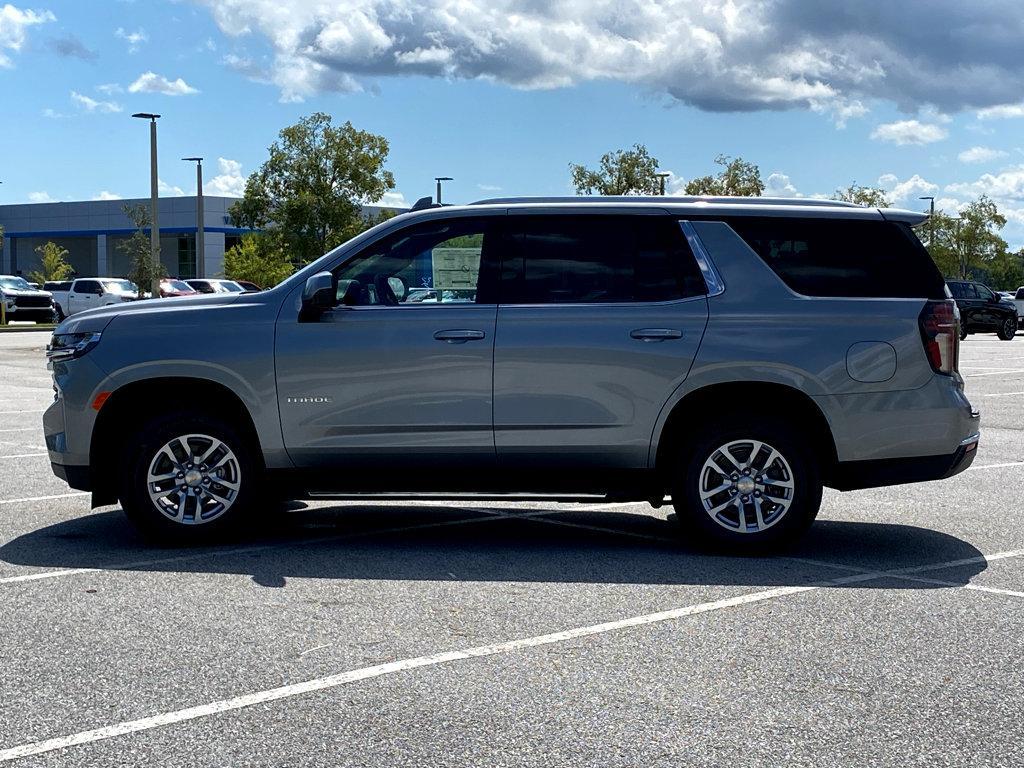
393, 199
169, 190
53, 114
719, 56
779, 186
150, 82
1007, 185
981, 155
13, 25
489, 187
110, 88
106, 195
40, 197
908, 190
1002, 111
909, 132
134, 39
92, 105
229, 182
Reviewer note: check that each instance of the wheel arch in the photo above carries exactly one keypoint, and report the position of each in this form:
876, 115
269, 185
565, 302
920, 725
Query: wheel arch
125, 405
700, 406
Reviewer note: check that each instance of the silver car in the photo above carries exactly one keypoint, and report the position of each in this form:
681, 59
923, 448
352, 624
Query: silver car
731, 355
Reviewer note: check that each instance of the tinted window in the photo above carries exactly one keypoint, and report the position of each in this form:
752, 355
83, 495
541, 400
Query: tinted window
597, 259
984, 293
62, 285
87, 286
437, 262
843, 257
1020, 294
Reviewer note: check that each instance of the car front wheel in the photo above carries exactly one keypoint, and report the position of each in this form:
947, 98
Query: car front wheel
1007, 329
189, 477
747, 485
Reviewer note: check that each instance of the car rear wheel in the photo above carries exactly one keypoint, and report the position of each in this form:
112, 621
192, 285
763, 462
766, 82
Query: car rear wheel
59, 313
189, 477
747, 485
1007, 329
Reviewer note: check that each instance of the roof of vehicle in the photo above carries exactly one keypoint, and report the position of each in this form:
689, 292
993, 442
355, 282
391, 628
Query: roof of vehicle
718, 205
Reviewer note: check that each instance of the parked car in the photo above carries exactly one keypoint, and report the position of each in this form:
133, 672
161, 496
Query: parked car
983, 310
1018, 302
248, 285
175, 287
22, 302
214, 286
732, 354
74, 296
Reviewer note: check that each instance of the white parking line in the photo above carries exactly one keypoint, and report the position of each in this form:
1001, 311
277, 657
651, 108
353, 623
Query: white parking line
20, 429
43, 499
994, 395
22, 456
1003, 371
376, 671
24, 411
992, 467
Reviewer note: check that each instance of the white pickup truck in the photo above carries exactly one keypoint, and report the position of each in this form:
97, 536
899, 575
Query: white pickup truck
70, 297
1018, 301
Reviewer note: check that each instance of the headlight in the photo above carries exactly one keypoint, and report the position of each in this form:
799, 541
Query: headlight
68, 346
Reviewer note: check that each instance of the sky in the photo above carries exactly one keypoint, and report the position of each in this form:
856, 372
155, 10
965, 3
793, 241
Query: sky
919, 98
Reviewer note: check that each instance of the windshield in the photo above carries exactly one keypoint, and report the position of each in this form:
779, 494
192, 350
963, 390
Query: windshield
231, 287
15, 282
120, 286
179, 285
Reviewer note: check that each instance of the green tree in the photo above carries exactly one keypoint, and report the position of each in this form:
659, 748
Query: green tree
872, 197
969, 245
143, 271
52, 260
259, 258
312, 188
622, 172
737, 177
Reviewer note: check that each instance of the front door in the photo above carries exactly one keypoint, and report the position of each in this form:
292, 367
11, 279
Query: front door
599, 321
398, 375
84, 295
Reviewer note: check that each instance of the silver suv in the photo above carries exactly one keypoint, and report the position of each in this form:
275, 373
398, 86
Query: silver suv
733, 355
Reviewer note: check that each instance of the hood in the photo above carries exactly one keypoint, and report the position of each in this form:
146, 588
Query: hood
6, 291
98, 318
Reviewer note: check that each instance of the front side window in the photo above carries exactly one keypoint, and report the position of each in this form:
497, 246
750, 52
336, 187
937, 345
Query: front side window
436, 262
984, 293
88, 287
597, 259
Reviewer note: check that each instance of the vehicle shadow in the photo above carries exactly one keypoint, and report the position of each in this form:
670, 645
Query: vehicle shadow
437, 542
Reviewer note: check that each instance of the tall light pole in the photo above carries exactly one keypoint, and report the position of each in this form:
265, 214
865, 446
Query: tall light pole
662, 176
200, 233
440, 179
931, 219
154, 190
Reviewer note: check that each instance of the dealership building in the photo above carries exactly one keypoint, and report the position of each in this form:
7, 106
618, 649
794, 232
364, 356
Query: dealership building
91, 231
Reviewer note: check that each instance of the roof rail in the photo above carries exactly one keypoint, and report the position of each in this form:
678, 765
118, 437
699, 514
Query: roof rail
713, 199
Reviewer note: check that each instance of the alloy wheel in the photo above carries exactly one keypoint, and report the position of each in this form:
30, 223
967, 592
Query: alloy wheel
194, 479
746, 486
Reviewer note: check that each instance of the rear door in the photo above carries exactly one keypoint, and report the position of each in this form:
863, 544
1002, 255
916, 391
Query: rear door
84, 295
398, 379
599, 319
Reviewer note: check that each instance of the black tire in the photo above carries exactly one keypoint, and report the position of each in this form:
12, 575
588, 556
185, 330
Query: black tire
1007, 329
140, 451
59, 313
790, 524
963, 332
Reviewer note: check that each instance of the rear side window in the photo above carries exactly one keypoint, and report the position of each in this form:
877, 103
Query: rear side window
843, 257
597, 259
87, 286
1020, 294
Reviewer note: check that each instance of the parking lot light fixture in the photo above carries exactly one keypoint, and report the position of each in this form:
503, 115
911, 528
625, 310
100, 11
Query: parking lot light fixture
440, 179
154, 191
662, 176
200, 231
931, 219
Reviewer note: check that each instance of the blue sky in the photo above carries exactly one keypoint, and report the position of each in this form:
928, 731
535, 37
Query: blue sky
503, 95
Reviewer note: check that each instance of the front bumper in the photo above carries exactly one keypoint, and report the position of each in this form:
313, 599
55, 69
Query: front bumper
890, 472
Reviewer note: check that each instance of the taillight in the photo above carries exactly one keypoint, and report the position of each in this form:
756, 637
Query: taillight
940, 332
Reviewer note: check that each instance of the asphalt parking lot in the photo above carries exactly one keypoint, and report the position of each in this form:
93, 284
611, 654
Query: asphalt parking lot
454, 634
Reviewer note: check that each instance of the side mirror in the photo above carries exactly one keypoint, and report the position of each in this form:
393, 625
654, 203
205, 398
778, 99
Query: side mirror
318, 294
398, 286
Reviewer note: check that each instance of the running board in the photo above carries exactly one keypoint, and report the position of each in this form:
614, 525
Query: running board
467, 496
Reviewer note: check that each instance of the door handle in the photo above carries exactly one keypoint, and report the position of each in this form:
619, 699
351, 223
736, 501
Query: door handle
655, 334
458, 335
